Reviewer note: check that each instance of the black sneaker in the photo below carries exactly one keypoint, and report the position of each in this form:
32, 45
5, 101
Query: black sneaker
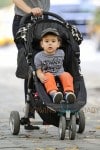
30, 127
24, 121
70, 97
57, 97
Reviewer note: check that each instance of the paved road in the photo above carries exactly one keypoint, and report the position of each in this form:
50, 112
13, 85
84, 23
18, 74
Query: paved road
12, 98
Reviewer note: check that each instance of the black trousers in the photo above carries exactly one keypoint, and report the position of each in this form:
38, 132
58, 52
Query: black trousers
19, 45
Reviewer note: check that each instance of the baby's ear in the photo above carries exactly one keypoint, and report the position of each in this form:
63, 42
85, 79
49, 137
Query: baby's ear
59, 43
41, 43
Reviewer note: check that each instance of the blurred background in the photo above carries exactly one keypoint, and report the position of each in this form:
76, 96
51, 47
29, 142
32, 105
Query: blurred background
6, 17
85, 14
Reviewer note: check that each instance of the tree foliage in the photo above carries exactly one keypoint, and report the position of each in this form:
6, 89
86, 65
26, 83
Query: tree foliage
5, 3
97, 16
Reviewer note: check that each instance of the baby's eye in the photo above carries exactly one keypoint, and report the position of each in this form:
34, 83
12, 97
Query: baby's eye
46, 41
53, 41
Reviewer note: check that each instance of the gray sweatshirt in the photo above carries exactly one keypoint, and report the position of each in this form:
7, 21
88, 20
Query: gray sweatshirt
44, 4
50, 63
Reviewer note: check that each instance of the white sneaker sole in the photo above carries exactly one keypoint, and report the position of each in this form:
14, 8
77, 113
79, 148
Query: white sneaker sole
71, 98
58, 98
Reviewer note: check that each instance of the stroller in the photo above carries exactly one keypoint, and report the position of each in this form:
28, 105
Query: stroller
63, 116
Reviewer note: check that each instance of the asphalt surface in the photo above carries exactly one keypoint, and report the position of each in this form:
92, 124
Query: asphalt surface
12, 98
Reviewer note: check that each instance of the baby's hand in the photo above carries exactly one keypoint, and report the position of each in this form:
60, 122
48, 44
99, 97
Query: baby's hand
42, 78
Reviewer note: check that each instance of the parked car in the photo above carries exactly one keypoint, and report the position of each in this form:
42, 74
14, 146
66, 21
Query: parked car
77, 12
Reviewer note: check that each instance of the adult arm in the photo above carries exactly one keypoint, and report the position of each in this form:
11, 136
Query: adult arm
24, 7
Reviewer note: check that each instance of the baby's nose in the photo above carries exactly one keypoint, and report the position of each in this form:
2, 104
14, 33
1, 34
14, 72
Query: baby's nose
50, 42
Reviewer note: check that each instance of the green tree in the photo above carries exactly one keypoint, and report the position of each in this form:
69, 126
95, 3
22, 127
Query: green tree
4, 3
97, 16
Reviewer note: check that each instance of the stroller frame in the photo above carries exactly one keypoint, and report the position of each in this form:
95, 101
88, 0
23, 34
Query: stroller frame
64, 116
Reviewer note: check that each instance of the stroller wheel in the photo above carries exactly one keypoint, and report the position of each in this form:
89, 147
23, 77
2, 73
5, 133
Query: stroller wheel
62, 127
14, 122
81, 122
72, 127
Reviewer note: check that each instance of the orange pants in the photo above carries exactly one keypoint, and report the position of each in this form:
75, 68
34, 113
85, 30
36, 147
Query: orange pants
66, 81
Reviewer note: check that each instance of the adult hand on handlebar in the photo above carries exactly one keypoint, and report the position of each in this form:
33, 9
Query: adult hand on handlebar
37, 11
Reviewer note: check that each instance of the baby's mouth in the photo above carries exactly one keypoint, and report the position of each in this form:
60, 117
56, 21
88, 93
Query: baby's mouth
50, 47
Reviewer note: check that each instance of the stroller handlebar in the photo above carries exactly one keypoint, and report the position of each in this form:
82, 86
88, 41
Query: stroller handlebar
54, 16
27, 17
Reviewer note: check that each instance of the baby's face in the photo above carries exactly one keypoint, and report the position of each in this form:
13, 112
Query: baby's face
50, 43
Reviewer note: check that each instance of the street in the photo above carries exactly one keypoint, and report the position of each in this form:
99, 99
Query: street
12, 98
